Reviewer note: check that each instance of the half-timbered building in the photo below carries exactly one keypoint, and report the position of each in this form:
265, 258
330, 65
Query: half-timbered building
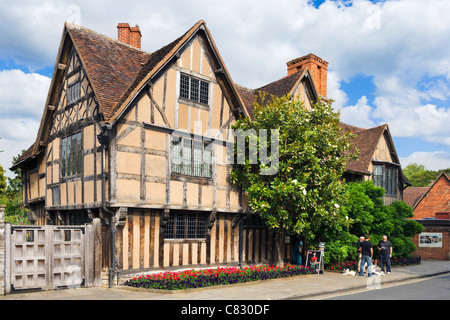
141, 140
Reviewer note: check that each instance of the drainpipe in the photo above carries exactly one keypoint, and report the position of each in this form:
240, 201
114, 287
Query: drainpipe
103, 139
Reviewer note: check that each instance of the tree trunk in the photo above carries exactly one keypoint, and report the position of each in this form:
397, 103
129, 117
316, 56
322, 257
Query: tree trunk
277, 247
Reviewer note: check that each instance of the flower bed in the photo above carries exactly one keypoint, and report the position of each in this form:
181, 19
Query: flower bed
189, 279
353, 265
341, 266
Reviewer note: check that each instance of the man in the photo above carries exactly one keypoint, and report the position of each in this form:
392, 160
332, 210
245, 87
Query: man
367, 253
358, 247
385, 248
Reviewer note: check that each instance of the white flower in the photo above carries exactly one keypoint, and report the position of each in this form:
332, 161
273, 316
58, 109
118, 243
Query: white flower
304, 191
337, 206
294, 181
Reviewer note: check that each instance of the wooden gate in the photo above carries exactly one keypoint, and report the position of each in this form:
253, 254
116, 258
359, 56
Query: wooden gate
48, 257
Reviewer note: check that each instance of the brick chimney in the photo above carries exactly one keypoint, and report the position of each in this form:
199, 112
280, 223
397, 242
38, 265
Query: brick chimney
129, 35
318, 68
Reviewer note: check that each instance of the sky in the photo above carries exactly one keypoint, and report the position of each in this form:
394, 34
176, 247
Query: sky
389, 60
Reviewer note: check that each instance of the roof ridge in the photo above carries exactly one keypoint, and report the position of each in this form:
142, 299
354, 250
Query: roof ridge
279, 80
75, 26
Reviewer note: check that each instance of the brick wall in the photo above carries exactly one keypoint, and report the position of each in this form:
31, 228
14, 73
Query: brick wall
436, 200
318, 68
2, 249
430, 253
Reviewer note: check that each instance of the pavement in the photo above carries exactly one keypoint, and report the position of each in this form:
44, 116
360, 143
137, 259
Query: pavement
296, 288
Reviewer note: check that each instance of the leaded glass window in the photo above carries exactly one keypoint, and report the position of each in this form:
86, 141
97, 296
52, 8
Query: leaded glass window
386, 177
186, 225
194, 89
73, 93
191, 157
71, 155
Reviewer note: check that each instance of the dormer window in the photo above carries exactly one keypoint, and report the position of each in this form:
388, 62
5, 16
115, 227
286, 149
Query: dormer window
194, 89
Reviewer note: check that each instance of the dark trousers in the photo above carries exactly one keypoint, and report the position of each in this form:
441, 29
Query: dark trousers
385, 260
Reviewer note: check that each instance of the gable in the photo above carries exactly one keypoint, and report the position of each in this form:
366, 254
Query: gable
175, 54
77, 102
296, 85
161, 103
435, 199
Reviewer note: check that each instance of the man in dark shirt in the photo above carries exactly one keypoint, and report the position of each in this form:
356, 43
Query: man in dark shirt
367, 253
385, 248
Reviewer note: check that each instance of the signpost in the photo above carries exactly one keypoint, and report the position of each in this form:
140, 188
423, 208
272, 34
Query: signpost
314, 260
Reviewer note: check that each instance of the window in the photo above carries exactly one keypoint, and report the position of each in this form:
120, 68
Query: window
78, 218
386, 177
191, 157
73, 93
194, 89
442, 215
71, 155
56, 200
186, 225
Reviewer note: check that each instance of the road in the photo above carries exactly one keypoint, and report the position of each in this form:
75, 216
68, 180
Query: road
433, 288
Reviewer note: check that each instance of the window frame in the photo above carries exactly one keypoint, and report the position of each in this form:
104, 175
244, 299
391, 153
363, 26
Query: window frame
71, 164
196, 163
194, 89
386, 176
73, 92
186, 225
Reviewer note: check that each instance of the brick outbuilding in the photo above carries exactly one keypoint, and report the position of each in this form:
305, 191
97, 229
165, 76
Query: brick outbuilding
435, 202
432, 210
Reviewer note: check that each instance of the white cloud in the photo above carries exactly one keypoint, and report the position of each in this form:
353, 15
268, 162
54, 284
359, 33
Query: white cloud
334, 90
22, 99
359, 114
430, 160
29, 34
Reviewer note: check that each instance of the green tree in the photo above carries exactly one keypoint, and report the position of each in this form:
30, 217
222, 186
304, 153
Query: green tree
303, 197
3, 184
364, 206
11, 197
419, 176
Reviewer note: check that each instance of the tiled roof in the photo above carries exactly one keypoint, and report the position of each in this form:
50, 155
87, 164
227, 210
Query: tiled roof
111, 65
366, 141
281, 87
412, 195
277, 88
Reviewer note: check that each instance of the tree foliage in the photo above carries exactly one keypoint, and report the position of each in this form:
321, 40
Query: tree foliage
364, 206
421, 177
302, 197
11, 197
